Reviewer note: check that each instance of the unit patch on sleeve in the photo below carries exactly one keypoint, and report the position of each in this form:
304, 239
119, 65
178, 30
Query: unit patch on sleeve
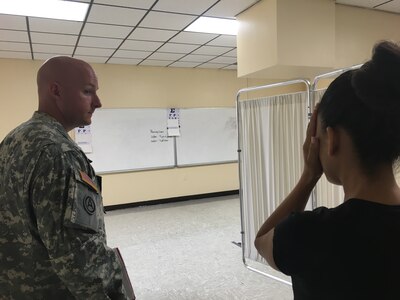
89, 205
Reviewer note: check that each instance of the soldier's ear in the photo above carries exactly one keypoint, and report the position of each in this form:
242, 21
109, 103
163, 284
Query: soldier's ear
55, 89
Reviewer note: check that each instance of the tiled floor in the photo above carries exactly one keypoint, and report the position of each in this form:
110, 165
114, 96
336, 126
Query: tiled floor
184, 251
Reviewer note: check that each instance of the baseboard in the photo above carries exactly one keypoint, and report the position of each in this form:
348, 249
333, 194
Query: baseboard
170, 200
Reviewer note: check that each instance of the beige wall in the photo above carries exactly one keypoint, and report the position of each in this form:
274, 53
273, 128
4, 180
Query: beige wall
131, 86
304, 27
276, 37
290, 39
257, 37
358, 29
127, 86
18, 96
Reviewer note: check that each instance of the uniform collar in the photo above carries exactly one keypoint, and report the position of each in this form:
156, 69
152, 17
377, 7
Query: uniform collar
53, 123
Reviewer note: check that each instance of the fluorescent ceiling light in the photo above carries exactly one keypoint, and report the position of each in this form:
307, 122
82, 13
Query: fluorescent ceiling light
214, 25
53, 9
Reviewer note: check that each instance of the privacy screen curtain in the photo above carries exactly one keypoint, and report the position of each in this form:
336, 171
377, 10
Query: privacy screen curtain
272, 131
326, 194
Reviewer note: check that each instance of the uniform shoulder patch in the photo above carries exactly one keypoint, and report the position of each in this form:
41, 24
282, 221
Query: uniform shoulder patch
89, 205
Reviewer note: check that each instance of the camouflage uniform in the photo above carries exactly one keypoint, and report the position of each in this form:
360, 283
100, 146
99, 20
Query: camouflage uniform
52, 235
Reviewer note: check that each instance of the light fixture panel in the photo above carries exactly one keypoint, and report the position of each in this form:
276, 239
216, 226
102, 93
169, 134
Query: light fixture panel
214, 25
52, 9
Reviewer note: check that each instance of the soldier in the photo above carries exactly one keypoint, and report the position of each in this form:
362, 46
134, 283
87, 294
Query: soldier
52, 234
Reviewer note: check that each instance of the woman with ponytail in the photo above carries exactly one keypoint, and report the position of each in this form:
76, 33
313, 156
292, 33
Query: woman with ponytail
351, 251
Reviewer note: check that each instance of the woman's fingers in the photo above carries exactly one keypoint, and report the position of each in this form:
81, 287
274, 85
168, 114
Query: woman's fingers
312, 128
311, 147
311, 131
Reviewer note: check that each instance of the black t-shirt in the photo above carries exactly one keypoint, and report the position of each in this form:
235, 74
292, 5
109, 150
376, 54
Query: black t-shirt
348, 252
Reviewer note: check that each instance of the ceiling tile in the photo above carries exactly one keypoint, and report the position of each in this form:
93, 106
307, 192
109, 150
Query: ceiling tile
131, 54
197, 58
165, 56
112, 21
93, 51
361, 3
211, 66
148, 34
153, 62
124, 61
101, 30
140, 45
232, 53
44, 56
11, 54
14, 36
195, 7
53, 39
12, 22
55, 49
92, 59
98, 42
224, 40
12, 46
115, 15
211, 50
229, 8
54, 26
193, 38
182, 64
166, 20
178, 48
393, 6
224, 60
127, 3
231, 67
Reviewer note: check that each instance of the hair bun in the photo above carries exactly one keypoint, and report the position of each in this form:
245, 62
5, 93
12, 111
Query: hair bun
377, 82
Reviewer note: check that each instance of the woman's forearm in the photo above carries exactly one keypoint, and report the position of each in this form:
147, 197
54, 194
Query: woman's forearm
295, 201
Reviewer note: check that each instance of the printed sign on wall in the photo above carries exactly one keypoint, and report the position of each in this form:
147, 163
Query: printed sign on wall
83, 137
173, 126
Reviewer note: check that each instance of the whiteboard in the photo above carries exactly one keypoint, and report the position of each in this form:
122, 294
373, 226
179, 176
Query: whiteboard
208, 136
130, 139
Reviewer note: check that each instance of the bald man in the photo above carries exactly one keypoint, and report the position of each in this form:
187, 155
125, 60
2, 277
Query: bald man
52, 235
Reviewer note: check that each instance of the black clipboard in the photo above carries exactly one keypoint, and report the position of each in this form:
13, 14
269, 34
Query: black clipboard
126, 282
